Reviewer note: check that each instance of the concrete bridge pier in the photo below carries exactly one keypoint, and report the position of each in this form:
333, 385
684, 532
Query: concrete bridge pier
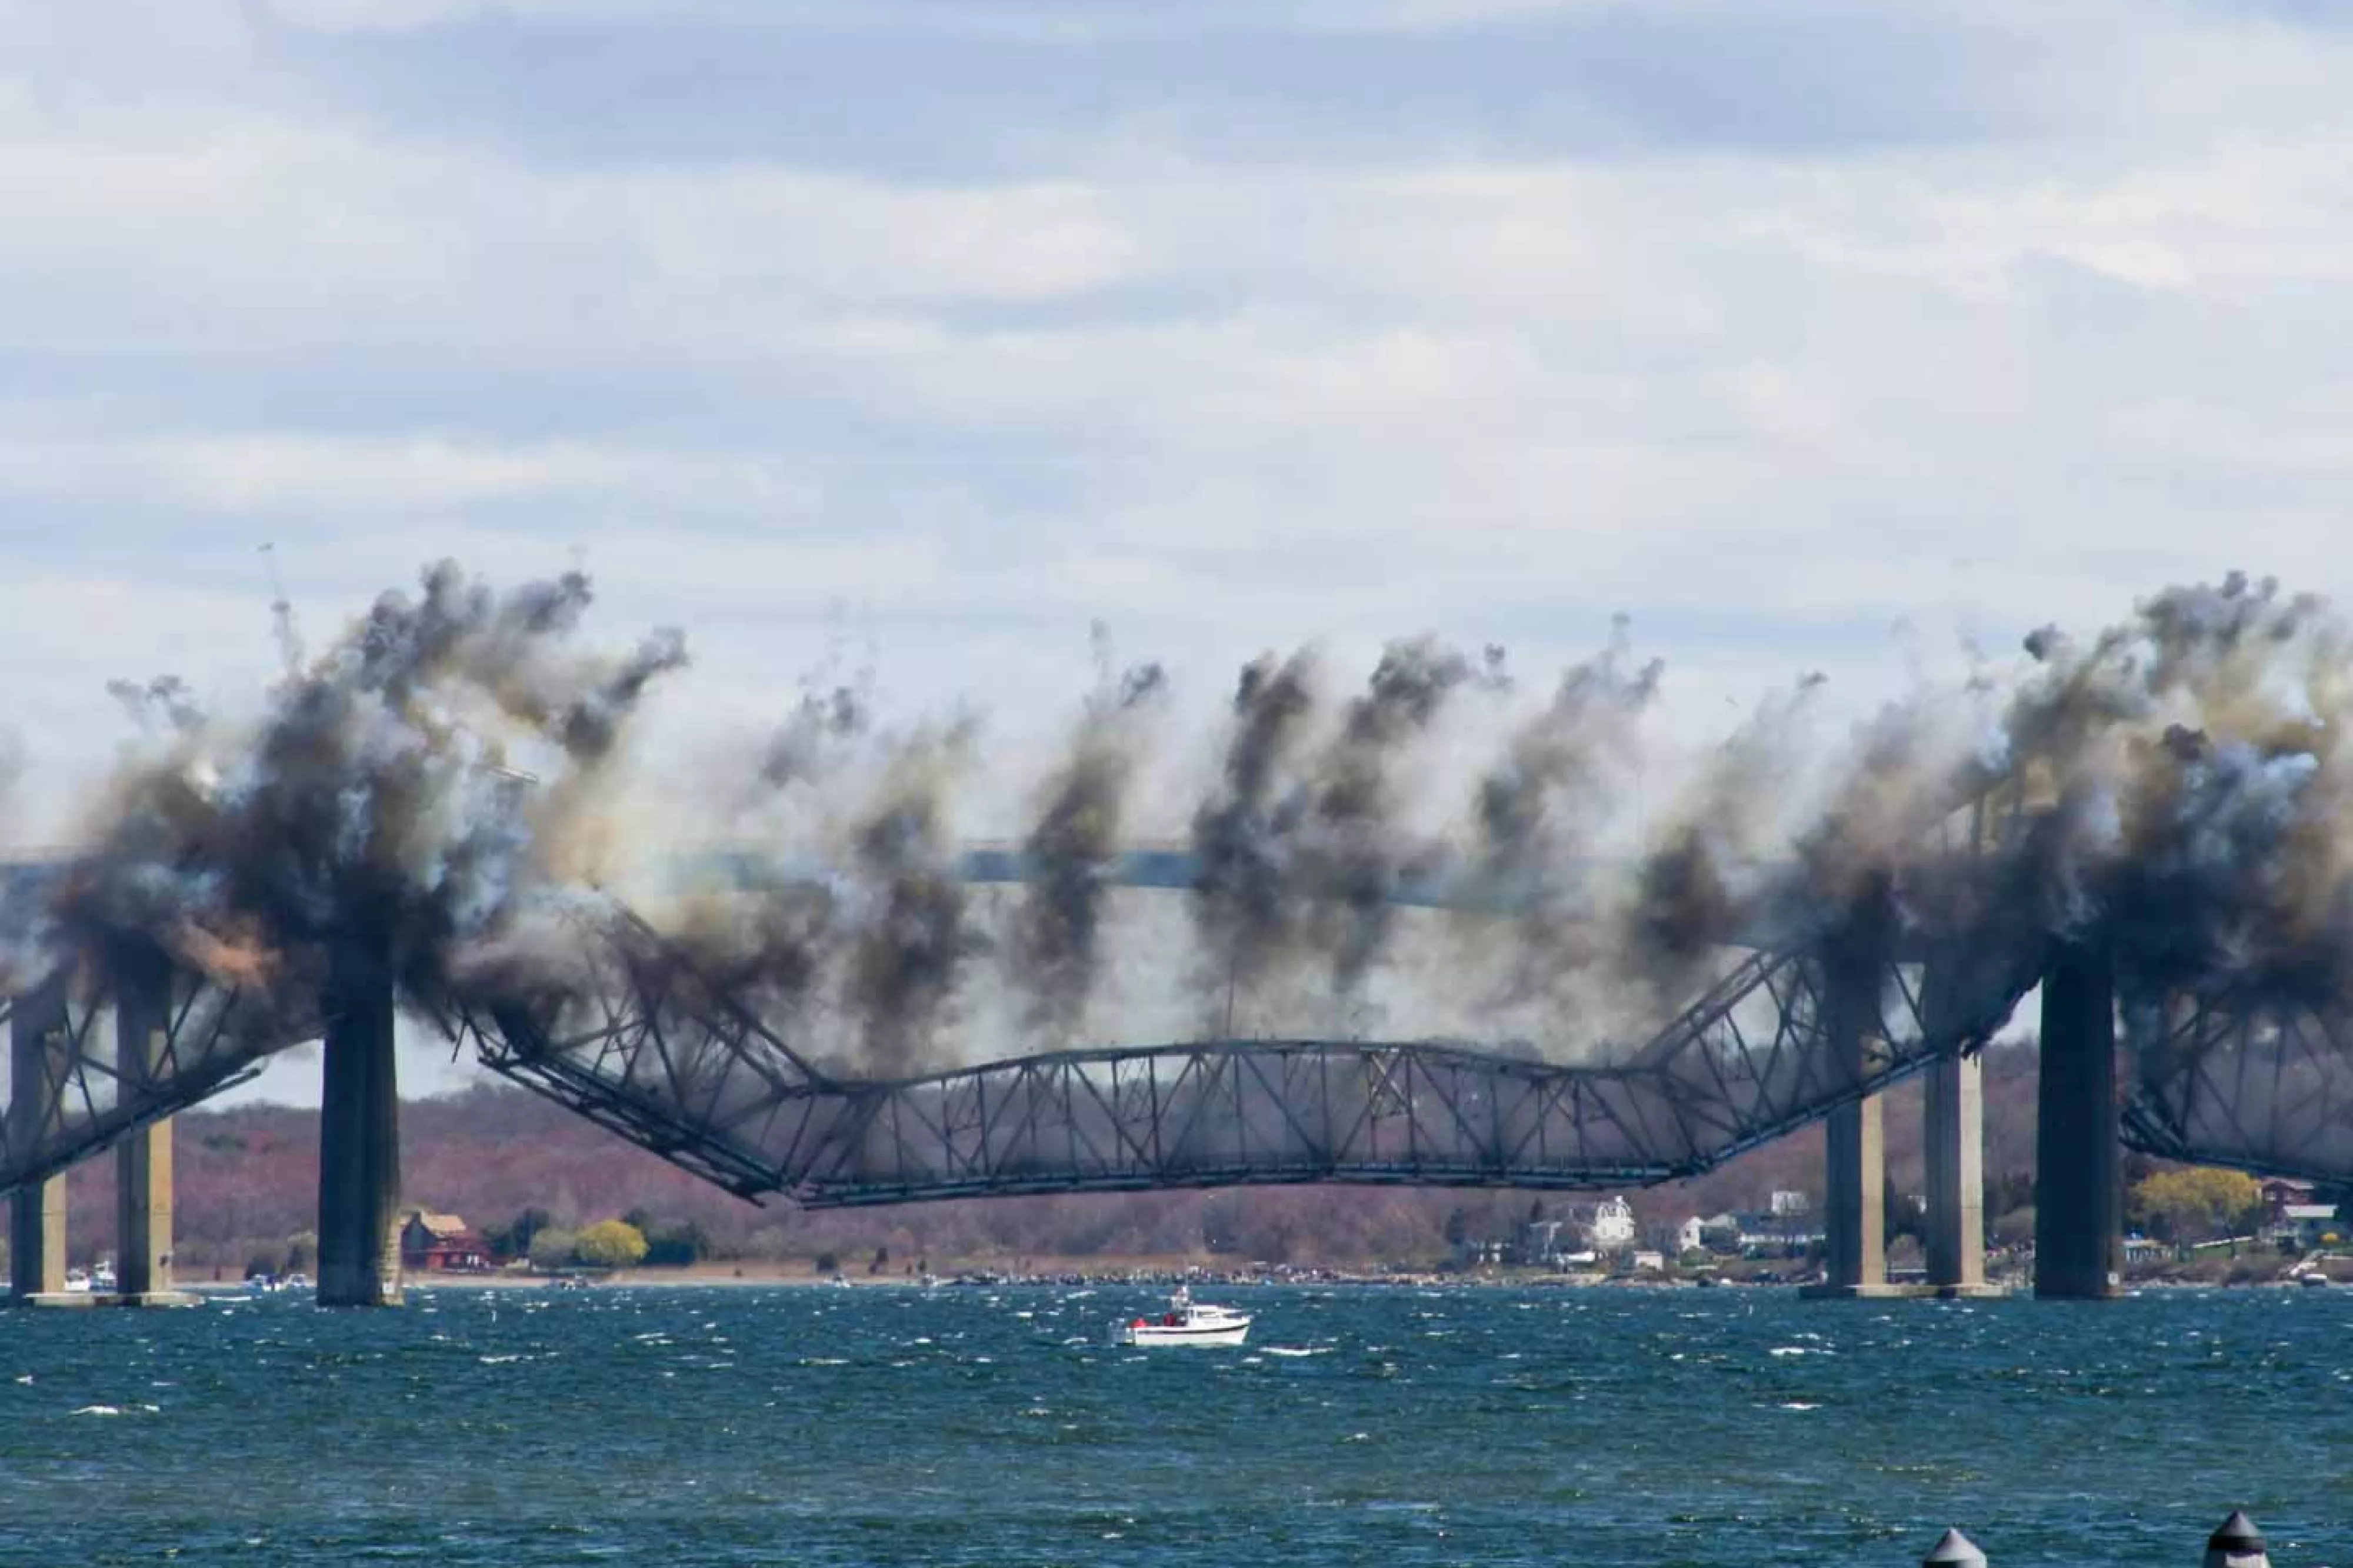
143, 1160
1953, 1111
37, 1212
1953, 1108
2078, 1203
359, 1131
1855, 1217
1855, 1221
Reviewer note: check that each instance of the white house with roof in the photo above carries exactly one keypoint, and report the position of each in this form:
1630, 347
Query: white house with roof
1613, 1226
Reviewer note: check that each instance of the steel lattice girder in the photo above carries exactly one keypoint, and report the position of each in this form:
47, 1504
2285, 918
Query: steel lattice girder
73, 1089
1245, 1112
648, 1049
1237, 1113
640, 1043
2262, 1086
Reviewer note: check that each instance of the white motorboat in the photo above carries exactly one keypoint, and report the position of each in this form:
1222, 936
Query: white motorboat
1186, 1322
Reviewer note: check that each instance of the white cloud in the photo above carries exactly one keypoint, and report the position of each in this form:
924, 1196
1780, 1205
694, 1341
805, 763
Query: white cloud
1772, 403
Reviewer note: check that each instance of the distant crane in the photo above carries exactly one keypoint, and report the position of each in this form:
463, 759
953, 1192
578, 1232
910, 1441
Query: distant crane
281, 615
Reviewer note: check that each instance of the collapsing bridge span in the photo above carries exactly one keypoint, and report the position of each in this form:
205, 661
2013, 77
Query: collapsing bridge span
644, 1047
637, 1039
664, 1060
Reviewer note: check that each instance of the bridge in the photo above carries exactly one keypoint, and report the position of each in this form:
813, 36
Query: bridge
1806, 1025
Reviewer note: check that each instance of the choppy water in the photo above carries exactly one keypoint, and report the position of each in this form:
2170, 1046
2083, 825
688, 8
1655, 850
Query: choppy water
722, 1426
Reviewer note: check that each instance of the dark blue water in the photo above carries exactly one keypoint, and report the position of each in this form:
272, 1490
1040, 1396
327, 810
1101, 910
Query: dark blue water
1361, 1425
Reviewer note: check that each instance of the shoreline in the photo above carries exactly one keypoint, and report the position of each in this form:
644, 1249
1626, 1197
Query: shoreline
671, 1279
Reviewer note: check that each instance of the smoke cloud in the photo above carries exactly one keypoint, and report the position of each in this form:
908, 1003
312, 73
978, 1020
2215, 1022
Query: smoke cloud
2192, 778
1540, 812
375, 793
1305, 844
1241, 911
908, 914
2175, 786
1080, 828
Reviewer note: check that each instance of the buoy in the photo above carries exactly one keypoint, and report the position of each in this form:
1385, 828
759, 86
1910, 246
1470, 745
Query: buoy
1954, 1549
2237, 1545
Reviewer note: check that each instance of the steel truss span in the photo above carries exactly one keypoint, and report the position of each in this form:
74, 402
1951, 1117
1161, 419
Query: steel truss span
650, 1049
636, 1039
78, 1081
2261, 1086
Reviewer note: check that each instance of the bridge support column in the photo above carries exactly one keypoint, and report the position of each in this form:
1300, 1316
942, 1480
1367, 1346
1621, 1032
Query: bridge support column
359, 1132
1855, 1217
143, 1162
1953, 1111
2078, 1207
1855, 1221
36, 1213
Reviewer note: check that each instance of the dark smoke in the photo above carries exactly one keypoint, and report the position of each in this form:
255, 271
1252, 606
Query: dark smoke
163, 704
803, 747
1355, 848
771, 946
373, 789
2175, 788
1543, 806
1240, 838
912, 935
1296, 852
2197, 794
1699, 887
1071, 853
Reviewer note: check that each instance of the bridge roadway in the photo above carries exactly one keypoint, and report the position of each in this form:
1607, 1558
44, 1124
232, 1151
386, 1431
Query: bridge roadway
1791, 1035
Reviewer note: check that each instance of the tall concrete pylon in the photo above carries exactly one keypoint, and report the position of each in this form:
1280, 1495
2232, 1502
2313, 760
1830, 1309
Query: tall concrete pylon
359, 1129
36, 1211
1855, 1146
2078, 1204
1952, 1111
142, 1160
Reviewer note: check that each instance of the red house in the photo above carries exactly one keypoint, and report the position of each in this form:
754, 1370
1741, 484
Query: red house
2282, 1192
442, 1243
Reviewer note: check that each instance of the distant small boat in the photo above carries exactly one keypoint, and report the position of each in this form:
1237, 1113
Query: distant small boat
1186, 1322
77, 1282
2313, 1280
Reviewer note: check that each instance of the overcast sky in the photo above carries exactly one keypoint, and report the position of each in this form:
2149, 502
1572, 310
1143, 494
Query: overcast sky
1813, 334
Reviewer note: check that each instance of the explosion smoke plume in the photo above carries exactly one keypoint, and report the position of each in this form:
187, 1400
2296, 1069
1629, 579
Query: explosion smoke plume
2175, 787
374, 787
912, 935
2195, 764
1071, 849
1540, 810
1698, 887
1290, 855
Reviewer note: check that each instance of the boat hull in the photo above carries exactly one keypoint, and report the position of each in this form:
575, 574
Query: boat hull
1163, 1334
